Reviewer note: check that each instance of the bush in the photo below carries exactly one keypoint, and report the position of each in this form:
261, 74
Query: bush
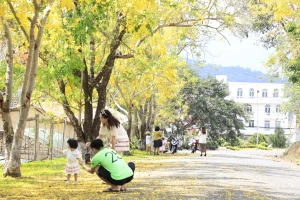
221, 142
233, 148
134, 143
260, 146
261, 138
263, 144
225, 144
212, 144
185, 145
278, 139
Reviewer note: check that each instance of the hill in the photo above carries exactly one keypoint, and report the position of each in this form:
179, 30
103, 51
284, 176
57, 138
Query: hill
235, 74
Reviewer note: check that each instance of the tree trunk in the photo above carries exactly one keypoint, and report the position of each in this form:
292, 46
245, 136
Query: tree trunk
135, 129
129, 116
70, 113
5, 105
153, 114
293, 150
88, 107
13, 165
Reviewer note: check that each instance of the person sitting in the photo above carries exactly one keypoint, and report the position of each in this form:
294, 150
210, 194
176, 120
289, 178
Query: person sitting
110, 167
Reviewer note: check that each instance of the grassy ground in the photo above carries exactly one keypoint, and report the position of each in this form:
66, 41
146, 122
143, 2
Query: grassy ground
157, 177
46, 180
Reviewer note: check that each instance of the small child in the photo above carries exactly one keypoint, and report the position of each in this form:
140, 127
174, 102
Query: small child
148, 142
72, 154
162, 149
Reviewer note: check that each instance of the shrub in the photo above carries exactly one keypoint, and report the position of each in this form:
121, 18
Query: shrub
233, 148
261, 138
185, 145
278, 139
260, 146
212, 144
225, 144
221, 142
134, 143
263, 144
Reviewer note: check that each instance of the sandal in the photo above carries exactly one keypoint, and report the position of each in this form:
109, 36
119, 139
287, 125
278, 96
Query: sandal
110, 190
123, 189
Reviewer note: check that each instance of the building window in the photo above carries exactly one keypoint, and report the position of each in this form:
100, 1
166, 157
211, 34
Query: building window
264, 93
278, 109
251, 92
267, 124
251, 123
239, 92
277, 123
248, 108
275, 93
267, 109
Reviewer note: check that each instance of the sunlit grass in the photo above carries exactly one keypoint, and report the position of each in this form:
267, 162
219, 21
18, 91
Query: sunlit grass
46, 179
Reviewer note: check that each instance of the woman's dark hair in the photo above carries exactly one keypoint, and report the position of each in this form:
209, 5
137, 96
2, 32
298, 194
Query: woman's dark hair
112, 121
203, 130
97, 144
72, 143
157, 128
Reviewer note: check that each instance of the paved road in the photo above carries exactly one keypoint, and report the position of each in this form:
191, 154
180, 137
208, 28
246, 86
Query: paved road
220, 175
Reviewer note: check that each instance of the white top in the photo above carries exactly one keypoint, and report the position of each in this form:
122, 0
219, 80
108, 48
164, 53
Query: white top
120, 133
148, 139
202, 139
72, 156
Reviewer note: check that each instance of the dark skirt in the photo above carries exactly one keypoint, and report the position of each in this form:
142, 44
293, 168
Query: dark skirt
203, 147
157, 143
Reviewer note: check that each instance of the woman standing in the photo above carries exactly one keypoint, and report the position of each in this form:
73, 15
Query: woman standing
157, 140
111, 128
202, 141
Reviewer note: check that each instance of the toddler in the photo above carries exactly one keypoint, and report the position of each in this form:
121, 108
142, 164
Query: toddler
73, 156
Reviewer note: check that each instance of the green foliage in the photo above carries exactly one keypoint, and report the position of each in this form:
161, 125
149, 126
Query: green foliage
208, 107
134, 143
212, 144
261, 138
261, 146
185, 145
278, 139
233, 148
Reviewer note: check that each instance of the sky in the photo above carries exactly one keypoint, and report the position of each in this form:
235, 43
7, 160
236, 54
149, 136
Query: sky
247, 53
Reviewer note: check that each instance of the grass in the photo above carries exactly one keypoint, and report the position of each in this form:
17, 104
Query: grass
46, 179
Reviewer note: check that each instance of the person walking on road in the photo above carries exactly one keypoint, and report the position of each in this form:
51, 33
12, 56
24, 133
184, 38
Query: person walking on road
202, 141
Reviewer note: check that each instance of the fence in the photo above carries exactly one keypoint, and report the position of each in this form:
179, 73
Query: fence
41, 136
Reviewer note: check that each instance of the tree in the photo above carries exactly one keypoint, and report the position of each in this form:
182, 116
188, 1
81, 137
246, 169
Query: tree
144, 88
278, 139
32, 26
97, 35
208, 106
279, 21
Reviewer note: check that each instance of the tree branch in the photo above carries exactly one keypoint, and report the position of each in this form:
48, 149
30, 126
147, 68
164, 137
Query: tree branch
126, 56
118, 105
17, 19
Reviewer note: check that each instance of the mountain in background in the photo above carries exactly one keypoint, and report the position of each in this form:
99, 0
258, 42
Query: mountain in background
234, 73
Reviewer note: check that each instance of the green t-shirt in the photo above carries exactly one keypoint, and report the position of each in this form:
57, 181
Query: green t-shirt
112, 162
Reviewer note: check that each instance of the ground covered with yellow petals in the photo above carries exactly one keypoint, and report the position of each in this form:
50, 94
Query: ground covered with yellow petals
220, 175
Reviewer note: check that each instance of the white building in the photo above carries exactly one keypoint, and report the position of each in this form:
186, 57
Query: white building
263, 101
